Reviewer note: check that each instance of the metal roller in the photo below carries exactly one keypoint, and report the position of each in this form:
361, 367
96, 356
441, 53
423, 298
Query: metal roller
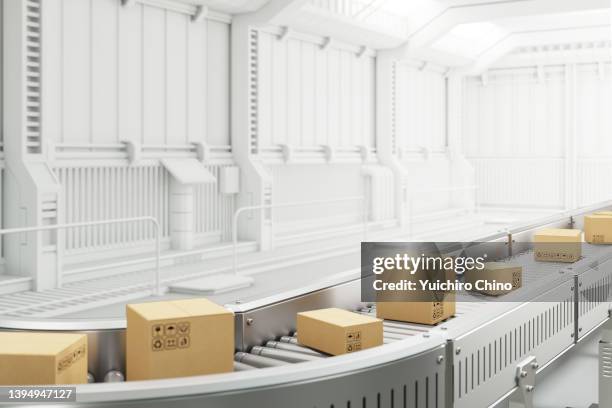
258, 361
238, 366
288, 339
293, 347
288, 356
114, 376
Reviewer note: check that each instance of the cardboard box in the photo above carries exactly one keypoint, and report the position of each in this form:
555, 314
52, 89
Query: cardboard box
598, 228
418, 312
423, 307
31, 358
178, 338
496, 272
558, 245
337, 331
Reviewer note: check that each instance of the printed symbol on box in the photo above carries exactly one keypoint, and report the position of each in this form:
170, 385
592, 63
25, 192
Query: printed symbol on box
357, 346
183, 342
353, 336
349, 348
170, 343
183, 328
158, 330
158, 345
170, 329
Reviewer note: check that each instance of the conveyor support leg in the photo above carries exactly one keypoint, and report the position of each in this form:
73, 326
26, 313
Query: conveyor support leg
525, 381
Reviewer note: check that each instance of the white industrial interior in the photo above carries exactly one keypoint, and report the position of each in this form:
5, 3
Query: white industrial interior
337, 120
261, 140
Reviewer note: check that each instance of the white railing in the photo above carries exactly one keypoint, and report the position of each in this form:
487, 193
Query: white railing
58, 282
285, 205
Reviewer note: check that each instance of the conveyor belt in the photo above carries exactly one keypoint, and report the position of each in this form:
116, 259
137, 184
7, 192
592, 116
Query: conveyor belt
287, 350
469, 360
538, 277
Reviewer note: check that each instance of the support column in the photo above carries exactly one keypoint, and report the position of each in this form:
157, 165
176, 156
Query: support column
30, 189
462, 172
256, 183
386, 145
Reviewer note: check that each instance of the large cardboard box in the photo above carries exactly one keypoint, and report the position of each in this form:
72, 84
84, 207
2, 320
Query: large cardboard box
496, 272
337, 331
598, 228
418, 312
178, 338
31, 358
558, 245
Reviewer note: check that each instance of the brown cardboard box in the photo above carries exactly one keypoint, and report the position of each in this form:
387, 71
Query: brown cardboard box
30, 358
178, 338
337, 331
598, 228
500, 272
410, 306
558, 245
418, 312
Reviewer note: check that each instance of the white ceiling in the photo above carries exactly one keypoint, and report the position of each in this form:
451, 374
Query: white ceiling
457, 32
472, 40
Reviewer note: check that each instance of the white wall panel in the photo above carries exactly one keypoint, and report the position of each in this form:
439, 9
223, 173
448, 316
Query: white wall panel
76, 71
520, 182
420, 108
138, 73
309, 96
328, 182
517, 123
218, 83
104, 73
594, 180
514, 132
593, 108
154, 75
514, 114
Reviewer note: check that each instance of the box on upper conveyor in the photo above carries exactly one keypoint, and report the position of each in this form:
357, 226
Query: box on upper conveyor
598, 227
557, 245
421, 307
178, 338
498, 272
32, 358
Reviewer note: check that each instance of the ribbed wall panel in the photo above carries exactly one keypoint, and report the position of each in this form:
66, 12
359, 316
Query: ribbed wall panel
110, 192
520, 182
214, 211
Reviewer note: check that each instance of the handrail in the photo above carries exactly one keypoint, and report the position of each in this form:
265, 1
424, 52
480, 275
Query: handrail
282, 205
153, 220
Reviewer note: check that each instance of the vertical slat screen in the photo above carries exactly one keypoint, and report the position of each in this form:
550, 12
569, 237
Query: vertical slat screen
111, 192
